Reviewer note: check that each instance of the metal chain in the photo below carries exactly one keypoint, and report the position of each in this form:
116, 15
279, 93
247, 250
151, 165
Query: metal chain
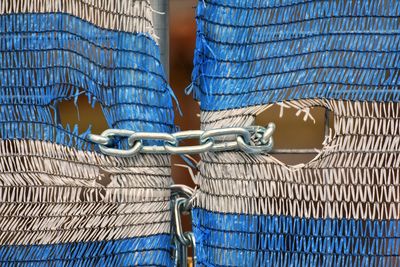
182, 197
253, 139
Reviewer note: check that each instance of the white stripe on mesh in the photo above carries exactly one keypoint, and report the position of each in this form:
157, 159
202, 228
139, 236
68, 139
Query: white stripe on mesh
54, 194
355, 175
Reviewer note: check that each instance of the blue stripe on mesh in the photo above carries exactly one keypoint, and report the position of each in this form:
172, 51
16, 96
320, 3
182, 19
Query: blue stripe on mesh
143, 251
257, 52
47, 58
251, 240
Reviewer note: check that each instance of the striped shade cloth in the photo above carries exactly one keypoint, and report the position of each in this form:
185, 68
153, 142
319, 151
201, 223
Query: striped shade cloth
342, 208
61, 202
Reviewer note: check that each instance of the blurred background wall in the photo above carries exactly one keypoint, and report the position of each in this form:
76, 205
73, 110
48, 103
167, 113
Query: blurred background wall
292, 131
182, 44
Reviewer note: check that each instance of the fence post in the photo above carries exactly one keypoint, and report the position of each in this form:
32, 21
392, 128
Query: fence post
161, 27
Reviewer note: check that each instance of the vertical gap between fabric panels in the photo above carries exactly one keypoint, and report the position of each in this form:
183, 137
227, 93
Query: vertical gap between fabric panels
161, 25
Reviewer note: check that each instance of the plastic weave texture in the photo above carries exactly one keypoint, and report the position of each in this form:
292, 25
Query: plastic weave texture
343, 207
61, 202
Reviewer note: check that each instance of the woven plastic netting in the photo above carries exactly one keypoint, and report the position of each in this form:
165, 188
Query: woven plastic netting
343, 207
61, 202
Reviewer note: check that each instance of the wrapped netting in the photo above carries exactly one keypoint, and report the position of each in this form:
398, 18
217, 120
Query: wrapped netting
256, 52
61, 202
343, 207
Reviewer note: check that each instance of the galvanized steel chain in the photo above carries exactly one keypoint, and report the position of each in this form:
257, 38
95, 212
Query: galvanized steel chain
253, 139
182, 197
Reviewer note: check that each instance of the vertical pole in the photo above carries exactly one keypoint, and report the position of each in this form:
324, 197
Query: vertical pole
161, 27
326, 125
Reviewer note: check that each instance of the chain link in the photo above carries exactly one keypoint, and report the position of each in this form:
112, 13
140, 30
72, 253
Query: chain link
253, 139
182, 197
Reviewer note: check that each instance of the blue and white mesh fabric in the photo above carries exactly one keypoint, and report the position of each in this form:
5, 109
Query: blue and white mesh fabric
61, 202
343, 207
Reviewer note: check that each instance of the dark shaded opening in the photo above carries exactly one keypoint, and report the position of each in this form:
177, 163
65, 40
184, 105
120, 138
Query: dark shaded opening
293, 132
82, 114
